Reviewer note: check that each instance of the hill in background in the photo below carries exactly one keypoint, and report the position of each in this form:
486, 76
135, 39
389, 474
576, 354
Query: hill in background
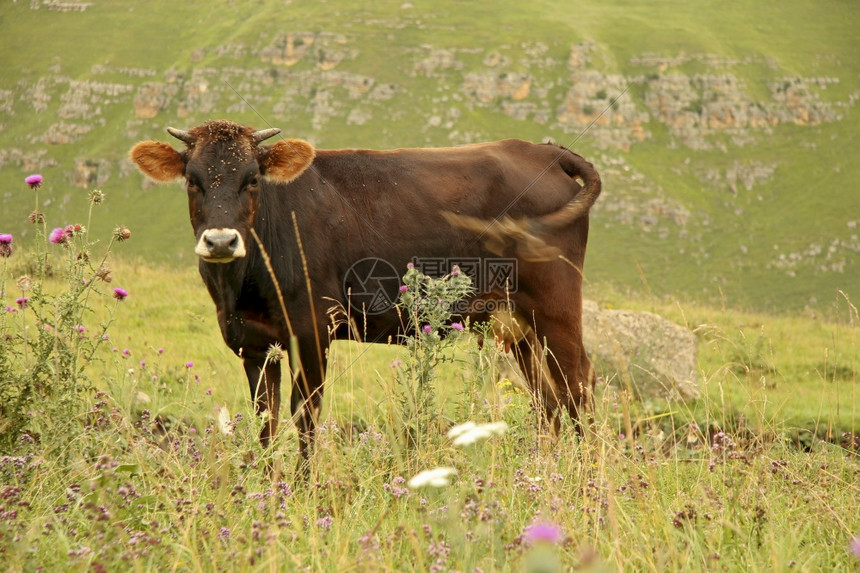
725, 133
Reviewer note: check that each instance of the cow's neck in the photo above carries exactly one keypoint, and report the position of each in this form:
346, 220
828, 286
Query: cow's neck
224, 282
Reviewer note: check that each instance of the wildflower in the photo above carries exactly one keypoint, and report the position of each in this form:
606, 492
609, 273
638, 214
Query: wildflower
325, 522
160, 351
34, 181
96, 196
121, 233
120, 293
126, 352
438, 477
457, 326
455, 271
23, 302
427, 329
80, 329
404, 288
275, 353
224, 533
58, 236
37, 217
470, 433
543, 533
461, 429
24, 283
189, 364
224, 421
855, 547
5, 245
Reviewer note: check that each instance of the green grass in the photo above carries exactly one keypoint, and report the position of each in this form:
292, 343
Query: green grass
749, 477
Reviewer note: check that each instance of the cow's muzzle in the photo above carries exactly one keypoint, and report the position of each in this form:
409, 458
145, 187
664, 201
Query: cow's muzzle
220, 245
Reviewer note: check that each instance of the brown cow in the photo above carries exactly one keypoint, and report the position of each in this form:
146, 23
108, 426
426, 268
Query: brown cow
322, 215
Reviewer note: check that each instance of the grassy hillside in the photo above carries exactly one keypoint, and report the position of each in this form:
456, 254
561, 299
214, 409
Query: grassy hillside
728, 158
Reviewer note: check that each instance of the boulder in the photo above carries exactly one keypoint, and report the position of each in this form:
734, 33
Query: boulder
643, 351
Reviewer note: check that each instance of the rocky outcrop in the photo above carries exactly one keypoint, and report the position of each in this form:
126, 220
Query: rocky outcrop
324, 50
91, 173
151, 98
642, 352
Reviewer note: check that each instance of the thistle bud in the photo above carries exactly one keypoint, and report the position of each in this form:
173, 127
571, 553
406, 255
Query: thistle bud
96, 196
121, 233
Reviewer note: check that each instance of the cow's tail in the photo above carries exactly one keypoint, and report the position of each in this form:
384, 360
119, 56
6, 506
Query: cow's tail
524, 234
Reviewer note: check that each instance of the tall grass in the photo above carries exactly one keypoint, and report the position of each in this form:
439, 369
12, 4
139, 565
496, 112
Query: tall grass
145, 455
149, 481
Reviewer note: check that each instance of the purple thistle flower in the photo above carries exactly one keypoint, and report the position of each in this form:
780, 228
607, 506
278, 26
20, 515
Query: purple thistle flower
457, 326
854, 546
404, 288
126, 352
189, 364
455, 271
224, 533
23, 302
58, 236
427, 329
120, 293
159, 351
34, 181
5, 245
80, 329
543, 533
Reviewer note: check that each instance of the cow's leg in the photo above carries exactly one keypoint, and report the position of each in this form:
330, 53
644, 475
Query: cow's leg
554, 362
264, 380
567, 363
530, 357
306, 403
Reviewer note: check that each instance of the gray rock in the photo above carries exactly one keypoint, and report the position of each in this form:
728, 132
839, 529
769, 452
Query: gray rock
651, 355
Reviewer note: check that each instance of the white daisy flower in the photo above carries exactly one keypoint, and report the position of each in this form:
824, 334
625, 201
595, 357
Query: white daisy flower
438, 477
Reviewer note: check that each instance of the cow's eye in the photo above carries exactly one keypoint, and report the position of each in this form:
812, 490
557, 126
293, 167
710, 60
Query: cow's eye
254, 182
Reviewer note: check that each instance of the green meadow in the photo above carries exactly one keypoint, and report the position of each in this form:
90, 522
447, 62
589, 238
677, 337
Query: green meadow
137, 471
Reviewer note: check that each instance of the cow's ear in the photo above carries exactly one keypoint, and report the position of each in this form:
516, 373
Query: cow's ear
157, 160
287, 159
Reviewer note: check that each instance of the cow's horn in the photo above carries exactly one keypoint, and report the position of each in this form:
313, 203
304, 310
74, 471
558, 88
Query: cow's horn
181, 135
265, 134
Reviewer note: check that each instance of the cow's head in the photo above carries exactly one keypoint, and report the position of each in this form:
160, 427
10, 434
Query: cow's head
223, 165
